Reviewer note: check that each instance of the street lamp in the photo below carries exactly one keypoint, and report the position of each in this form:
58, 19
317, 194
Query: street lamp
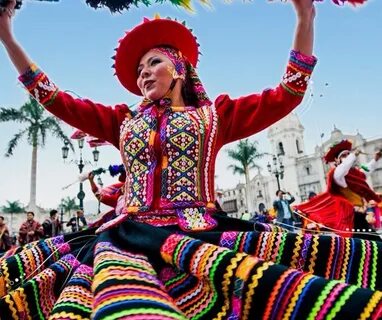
277, 169
65, 150
95, 155
81, 164
100, 183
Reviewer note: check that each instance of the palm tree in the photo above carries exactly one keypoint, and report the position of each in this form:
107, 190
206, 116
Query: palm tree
245, 154
37, 125
68, 204
13, 207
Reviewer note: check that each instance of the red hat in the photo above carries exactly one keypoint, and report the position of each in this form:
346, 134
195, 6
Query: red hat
148, 35
336, 149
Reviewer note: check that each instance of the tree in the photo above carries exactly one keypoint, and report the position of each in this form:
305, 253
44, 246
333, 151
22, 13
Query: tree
68, 204
245, 155
37, 125
13, 207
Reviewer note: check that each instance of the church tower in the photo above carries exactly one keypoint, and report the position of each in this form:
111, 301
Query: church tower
286, 138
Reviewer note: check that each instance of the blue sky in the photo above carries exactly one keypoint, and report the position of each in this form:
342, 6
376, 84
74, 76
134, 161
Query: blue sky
245, 47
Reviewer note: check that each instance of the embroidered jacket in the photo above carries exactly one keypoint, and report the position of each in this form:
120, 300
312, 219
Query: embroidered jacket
170, 156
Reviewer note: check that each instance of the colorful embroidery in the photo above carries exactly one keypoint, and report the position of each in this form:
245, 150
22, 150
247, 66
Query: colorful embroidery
179, 173
195, 219
39, 85
297, 75
139, 160
187, 138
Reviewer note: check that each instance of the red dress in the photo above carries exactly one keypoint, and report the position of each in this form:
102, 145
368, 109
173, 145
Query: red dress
332, 209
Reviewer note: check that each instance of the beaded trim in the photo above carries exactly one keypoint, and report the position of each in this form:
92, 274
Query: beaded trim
297, 75
39, 85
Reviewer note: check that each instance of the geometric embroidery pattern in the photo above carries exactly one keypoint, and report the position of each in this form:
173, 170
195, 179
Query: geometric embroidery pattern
139, 160
182, 151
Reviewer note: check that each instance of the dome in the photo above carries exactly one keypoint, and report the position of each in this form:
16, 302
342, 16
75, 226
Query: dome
336, 134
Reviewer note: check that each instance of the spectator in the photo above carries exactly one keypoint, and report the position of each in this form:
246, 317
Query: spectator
311, 195
5, 240
78, 222
52, 226
246, 215
284, 213
31, 230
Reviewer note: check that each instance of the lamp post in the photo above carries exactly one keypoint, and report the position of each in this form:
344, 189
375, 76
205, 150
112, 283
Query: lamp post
81, 164
277, 169
100, 183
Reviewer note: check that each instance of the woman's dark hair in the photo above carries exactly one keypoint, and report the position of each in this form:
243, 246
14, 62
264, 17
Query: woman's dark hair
188, 94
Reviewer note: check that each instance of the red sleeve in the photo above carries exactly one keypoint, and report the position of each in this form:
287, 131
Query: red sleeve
109, 200
242, 117
95, 119
110, 194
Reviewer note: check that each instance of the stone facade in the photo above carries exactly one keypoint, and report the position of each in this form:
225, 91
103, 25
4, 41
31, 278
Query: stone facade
303, 172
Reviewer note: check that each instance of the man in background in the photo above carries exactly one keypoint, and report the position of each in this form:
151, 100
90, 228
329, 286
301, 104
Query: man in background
284, 214
31, 230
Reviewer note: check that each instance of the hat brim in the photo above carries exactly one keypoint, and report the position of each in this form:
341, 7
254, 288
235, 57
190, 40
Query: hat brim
146, 36
333, 152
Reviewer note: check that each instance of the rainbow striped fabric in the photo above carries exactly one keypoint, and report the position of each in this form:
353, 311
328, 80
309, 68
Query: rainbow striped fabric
137, 271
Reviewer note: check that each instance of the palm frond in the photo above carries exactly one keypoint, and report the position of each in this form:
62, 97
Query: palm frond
12, 114
236, 169
245, 154
69, 204
13, 207
12, 144
33, 109
52, 124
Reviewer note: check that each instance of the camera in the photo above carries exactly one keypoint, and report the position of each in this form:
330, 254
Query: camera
4, 3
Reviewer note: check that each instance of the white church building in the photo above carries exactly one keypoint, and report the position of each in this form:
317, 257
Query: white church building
302, 172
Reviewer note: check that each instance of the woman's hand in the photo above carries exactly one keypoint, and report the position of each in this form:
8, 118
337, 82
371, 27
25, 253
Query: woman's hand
16, 53
91, 176
6, 15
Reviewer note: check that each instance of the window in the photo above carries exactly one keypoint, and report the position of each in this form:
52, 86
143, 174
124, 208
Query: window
230, 206
298, 147
280, 149
308, 170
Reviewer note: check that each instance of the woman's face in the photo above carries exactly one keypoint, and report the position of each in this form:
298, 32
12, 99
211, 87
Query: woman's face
342, 156
154, 75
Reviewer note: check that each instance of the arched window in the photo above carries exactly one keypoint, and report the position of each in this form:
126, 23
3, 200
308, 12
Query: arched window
280, 149
308, 169
298, 147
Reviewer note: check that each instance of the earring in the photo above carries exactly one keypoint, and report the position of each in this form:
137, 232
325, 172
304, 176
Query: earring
175, 75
